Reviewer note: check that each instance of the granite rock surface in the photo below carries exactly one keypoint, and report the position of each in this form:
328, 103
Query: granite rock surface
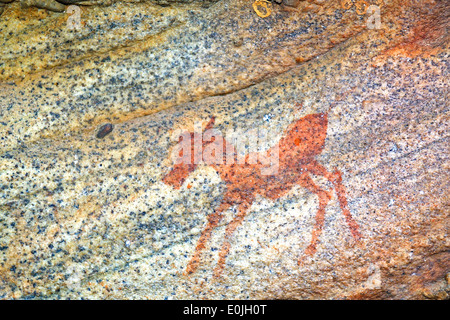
88, 123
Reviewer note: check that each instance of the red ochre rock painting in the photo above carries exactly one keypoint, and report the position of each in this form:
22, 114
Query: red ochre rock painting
303, 140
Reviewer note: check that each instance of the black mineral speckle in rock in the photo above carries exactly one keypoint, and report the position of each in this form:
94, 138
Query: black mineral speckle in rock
104, 130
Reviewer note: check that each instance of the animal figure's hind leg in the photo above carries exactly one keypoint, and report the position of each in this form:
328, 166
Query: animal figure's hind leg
242, 212
336, 179
213, 221
324, 197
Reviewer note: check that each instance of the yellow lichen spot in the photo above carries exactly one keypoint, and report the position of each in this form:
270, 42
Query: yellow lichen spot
346, 4
361, 7
262, 4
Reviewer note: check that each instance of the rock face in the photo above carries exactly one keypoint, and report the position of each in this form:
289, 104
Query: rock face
59, 5
92, 204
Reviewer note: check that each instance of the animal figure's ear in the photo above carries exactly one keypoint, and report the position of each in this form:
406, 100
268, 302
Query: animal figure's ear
210, 124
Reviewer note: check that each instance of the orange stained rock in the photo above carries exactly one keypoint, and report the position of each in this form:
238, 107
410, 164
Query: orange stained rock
428, 36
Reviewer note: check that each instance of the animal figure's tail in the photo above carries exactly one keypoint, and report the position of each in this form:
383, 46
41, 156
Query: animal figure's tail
181, 171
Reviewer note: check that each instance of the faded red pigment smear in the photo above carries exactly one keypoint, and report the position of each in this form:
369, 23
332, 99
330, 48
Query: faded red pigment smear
302, 141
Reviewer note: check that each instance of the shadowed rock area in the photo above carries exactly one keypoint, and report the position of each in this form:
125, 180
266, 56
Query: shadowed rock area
89, 118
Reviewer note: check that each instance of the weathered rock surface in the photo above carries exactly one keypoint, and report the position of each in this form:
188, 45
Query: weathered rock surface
85, 214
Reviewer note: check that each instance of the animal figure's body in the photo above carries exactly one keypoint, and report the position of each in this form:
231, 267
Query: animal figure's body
303, 140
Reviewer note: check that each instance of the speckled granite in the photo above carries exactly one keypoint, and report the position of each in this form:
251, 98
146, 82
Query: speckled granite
61, 5
87, 216
145, 58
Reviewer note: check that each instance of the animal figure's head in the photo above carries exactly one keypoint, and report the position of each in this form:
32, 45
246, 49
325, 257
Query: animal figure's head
188, 156
305, 138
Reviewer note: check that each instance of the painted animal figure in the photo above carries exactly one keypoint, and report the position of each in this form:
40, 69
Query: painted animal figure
302, 141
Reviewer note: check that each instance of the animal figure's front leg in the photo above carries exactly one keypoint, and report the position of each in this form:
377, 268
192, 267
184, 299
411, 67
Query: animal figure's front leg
336, 179
213, 221
324, 197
